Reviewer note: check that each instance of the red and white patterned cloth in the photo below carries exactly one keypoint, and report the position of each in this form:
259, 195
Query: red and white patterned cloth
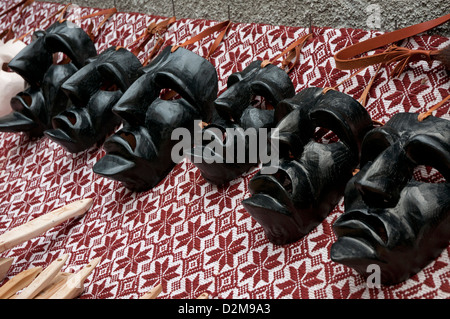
191, 236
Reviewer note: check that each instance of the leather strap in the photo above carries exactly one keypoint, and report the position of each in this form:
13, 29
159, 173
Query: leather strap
154, 51
150, 31
424, 115
224, 26
325, 90
8, 33
25, 4
108, 13
293, 50
59, 12
62, 12
365, 94
346, 59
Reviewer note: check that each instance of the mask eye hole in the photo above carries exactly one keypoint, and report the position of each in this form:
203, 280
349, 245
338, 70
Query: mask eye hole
376, 142
370, 151
428, 174
169, 95
213, 130
61, 58
260, 102
109, 86
325, 136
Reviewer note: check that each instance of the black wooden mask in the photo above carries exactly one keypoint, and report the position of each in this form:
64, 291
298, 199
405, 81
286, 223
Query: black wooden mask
311, 176
235, 111
391, 219
34, 108
93, 91
139, 154
34, 60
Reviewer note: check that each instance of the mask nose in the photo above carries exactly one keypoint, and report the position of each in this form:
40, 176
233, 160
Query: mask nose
380, 182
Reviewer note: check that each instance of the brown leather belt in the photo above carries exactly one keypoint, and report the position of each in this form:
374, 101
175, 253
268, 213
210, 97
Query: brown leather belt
347, 59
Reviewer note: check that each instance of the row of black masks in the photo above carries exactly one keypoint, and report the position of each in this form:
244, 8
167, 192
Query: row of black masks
390, 219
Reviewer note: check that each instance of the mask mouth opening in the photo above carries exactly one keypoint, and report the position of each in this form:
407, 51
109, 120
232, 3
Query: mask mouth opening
6, 68
277, 186
26, 98
68, 122
129, 138
125, 144
21, 102
285, 181
363, 225
71, 117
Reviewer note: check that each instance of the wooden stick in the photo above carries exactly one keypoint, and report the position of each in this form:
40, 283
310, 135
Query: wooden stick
43, 223
75, 283
152, 294
44, 279
5, 264
204, 295
18, 282
56, 283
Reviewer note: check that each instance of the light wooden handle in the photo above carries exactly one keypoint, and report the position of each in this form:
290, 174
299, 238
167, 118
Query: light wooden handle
44, 279
5, 264
57, 282
152, 294
41, 224
74, 286
18, 282
204, 295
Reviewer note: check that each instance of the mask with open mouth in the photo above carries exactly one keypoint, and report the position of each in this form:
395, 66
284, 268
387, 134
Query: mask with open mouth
34, 108
391, 219
139, 154
93, 91
237, 114
10, 82
310, 176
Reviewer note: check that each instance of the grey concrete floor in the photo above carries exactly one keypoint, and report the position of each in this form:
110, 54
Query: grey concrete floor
362, 14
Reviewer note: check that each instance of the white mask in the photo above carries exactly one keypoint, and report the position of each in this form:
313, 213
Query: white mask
11, 83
